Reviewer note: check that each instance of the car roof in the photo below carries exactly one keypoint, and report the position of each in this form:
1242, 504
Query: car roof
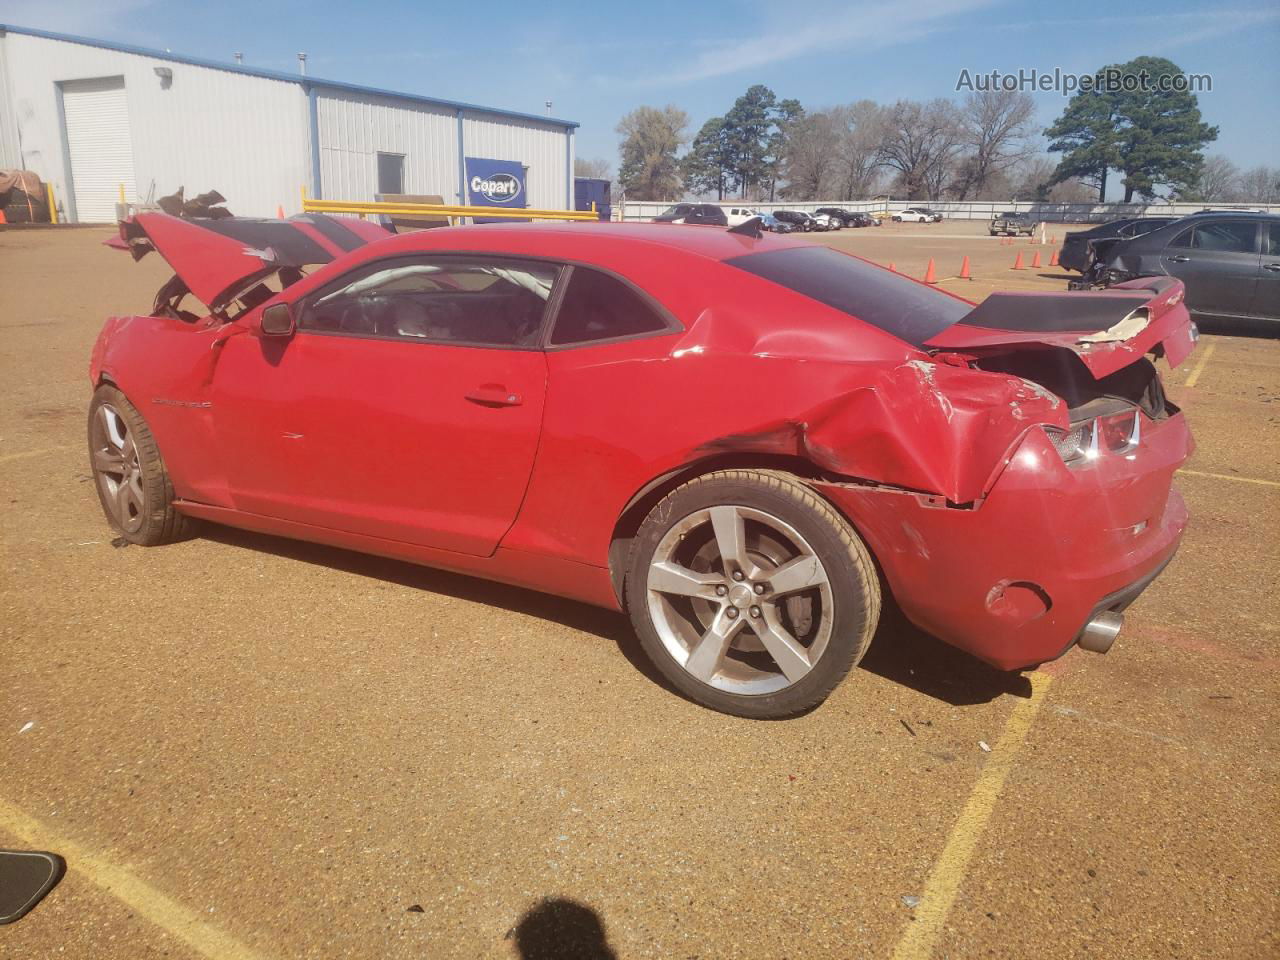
1231, 215
575, 240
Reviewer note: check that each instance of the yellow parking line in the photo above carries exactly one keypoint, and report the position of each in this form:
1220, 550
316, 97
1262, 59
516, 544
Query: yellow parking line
1199, 367
948, 873
1227, 476
32, 453
172, 917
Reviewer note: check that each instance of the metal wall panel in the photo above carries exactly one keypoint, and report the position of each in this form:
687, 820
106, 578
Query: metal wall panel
354, 129
545, 149
10, 158
208, 129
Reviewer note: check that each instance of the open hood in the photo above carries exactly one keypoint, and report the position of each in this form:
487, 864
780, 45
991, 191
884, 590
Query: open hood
1107, 329
216, 258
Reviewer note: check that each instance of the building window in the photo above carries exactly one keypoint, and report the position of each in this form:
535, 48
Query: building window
391, 173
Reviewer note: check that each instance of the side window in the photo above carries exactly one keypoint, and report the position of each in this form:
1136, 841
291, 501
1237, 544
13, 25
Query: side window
1273, 240
1183, 239
1231, 236
597, 306
443, 300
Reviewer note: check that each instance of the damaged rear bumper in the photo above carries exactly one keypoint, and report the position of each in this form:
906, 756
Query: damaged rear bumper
1014, 580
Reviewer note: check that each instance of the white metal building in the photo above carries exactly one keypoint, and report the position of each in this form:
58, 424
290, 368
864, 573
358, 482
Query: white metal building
87, 116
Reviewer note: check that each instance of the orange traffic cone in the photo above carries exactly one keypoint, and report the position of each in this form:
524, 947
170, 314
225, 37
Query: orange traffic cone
928, 273
279, 212
1053, 238
1035, 261
964, 269
2, 217
1053, 259
893, 266
1017, 264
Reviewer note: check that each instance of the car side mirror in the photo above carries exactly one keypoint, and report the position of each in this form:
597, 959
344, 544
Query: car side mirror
277, 320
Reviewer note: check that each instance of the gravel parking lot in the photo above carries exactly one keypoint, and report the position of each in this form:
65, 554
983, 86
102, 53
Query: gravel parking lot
247, 747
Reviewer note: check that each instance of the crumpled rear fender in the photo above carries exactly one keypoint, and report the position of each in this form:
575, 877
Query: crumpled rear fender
918, 425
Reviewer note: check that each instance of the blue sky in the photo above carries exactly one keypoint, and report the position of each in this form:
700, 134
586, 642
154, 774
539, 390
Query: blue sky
597, 61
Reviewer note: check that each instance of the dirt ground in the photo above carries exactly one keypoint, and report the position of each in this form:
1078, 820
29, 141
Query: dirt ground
252, 748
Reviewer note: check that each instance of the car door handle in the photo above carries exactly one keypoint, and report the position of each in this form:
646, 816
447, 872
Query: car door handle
1273, 267
1178, 259
494, 395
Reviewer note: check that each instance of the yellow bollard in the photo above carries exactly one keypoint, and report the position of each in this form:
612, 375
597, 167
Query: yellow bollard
53, 205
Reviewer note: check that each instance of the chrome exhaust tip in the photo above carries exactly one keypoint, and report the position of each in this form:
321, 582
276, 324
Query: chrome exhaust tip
1100, 632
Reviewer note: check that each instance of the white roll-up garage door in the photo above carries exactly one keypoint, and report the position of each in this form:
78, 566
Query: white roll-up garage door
97, 118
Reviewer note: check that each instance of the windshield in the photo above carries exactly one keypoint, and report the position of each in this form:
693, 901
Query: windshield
890, 301
677, 210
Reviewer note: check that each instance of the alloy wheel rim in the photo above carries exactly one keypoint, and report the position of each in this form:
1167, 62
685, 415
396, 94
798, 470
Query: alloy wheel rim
740, 600
117, 469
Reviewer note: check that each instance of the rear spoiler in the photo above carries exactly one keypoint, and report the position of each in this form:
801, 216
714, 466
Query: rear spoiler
1107, 329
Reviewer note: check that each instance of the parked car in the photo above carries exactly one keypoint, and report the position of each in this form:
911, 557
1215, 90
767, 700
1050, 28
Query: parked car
825, 221
1013, 224
859, 219
771, 223
918, 215
705, 214
466, 398
740, 215
1077, 254
842, 217
800, 222
1229, 262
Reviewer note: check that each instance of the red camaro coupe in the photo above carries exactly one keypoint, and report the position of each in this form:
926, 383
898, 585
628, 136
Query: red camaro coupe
741, 440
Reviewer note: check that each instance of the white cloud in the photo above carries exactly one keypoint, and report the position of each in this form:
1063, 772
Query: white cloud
809, 29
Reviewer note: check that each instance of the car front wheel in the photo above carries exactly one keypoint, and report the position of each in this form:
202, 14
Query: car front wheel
751, 594
129, 475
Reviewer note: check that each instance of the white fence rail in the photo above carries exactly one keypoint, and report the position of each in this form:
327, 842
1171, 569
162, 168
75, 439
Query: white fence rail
969, 210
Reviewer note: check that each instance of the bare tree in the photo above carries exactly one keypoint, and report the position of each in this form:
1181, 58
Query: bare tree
1259, 185
921, 142
996, 129
595, 168
1219, 180
651, 137
810, 156
860, 129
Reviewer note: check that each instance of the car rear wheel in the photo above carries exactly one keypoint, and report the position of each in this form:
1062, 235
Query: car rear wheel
129, 475
751, 594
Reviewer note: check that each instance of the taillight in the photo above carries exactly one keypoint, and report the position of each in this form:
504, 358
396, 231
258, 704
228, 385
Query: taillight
1121, 431
1074, 445
1084, 441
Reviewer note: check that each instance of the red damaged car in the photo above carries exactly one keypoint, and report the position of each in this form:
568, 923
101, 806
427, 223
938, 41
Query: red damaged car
741, 440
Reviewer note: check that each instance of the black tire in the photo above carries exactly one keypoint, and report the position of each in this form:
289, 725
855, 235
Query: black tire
154, 521
850, 572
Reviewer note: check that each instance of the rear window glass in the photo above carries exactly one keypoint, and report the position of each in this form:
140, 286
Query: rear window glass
887, 300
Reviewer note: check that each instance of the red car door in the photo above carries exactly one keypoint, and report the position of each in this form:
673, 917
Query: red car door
407, 405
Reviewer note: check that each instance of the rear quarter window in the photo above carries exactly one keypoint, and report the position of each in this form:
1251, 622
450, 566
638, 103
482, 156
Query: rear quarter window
599, 307
879, 297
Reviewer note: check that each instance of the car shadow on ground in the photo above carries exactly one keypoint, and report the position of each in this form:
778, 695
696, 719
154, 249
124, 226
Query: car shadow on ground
899, 652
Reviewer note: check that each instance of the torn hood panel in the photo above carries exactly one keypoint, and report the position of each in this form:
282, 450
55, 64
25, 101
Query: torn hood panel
1107, 329
215, 258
